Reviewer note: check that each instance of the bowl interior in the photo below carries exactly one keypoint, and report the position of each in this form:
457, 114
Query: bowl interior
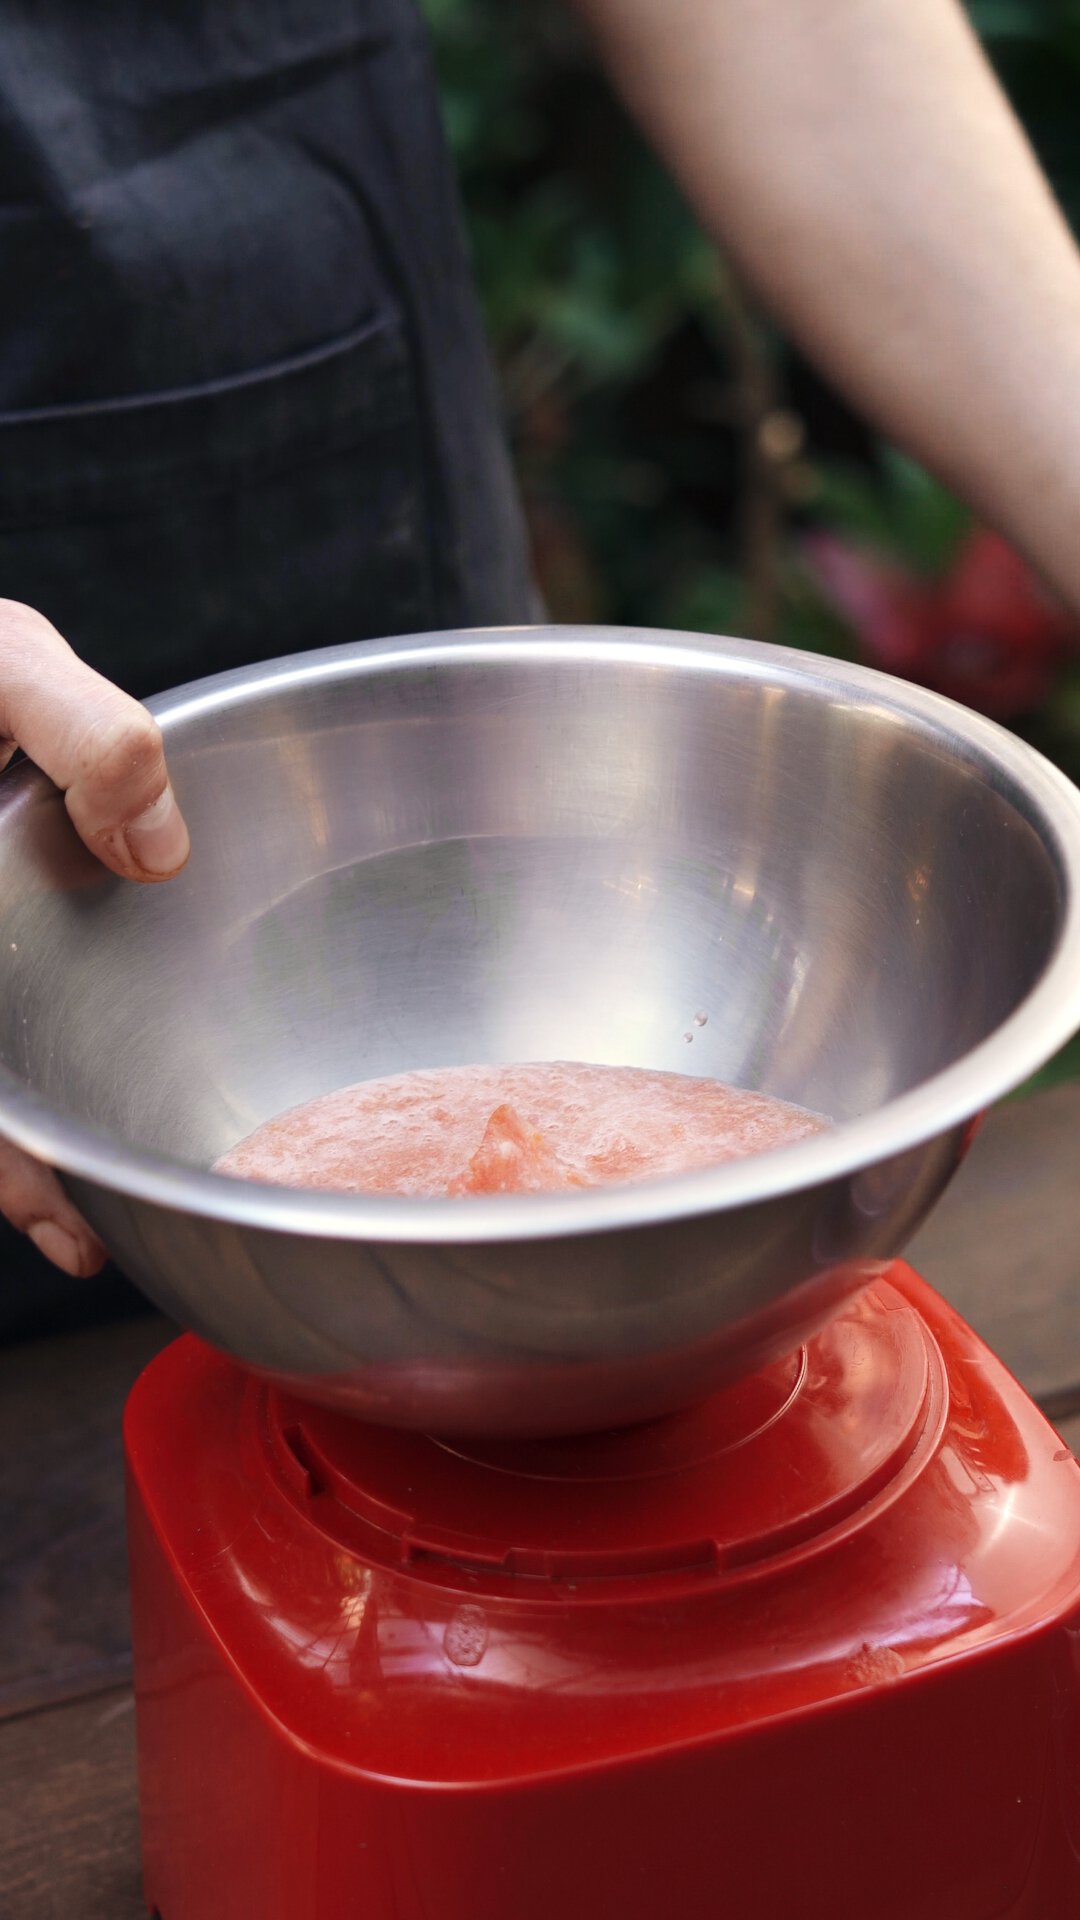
704, 857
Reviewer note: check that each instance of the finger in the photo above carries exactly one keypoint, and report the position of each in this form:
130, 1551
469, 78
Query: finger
33, 1200
100, 746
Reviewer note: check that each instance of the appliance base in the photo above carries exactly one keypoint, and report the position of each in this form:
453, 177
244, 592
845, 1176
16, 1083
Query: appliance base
813, 1648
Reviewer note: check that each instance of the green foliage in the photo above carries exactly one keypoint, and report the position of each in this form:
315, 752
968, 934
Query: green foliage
580, 239
591, 272
610, 319
635, 381
600, 294
1035, 47
902, 511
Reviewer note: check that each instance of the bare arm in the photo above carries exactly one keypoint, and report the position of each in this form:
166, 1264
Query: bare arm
860, 163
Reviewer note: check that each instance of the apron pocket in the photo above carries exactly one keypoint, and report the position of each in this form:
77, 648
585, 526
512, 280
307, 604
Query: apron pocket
183, 532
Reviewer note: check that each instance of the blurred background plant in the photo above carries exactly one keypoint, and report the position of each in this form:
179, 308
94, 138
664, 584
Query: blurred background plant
681, 464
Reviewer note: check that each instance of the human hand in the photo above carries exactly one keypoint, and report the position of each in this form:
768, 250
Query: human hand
104, 751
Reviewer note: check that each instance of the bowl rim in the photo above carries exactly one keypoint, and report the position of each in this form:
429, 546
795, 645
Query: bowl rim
1047, 1016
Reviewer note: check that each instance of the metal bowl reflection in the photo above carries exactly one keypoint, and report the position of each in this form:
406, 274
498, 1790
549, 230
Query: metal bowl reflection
538, 844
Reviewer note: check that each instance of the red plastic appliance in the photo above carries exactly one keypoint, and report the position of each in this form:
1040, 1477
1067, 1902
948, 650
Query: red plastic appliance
810, 1649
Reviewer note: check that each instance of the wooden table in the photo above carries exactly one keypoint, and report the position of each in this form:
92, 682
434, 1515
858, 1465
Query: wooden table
1004, 1246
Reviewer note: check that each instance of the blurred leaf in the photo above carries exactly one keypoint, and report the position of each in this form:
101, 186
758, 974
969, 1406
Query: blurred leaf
1006, 19
930, 521
1064, 1066
900, 510
710, 599
853, 501
809, 621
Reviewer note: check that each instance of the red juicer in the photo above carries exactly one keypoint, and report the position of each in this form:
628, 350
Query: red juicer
755, 1591
811, 1647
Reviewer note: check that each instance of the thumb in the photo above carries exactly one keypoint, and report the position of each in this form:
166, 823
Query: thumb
97, 744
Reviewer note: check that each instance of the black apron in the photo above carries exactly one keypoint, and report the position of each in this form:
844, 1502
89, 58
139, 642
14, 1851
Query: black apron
246, 404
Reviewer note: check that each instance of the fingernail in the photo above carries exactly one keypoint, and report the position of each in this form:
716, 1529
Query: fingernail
57, 1245
158, 839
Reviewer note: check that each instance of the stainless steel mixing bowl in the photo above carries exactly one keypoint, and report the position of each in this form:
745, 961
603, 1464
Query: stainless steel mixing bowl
538, 844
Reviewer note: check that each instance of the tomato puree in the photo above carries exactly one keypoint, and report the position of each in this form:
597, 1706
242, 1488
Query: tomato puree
539, 1128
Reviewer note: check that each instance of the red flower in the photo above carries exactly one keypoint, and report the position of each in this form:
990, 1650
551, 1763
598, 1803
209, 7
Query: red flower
985, 633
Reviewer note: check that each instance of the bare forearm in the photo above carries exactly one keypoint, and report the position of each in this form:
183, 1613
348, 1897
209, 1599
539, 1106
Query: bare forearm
859, 161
